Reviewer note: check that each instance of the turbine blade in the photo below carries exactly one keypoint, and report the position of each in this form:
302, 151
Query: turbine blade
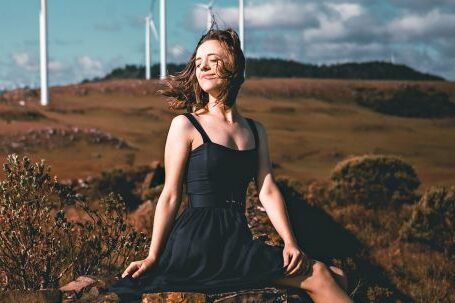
201, 5
155, 33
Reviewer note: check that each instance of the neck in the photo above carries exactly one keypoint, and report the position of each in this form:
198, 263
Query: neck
229, 114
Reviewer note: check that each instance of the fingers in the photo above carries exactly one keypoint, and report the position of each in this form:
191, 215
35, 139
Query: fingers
292, 264
140, 270
286, 258
297, 269
131, 268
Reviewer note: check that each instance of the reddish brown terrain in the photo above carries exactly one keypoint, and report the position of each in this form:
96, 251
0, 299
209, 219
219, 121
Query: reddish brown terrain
312, 124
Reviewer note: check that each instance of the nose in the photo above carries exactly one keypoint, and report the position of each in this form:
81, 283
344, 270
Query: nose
204, 65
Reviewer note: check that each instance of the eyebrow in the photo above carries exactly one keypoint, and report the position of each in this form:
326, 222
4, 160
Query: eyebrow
198, 58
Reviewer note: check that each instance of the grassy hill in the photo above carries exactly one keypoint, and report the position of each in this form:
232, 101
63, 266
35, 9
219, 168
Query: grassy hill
312, 124
279, 68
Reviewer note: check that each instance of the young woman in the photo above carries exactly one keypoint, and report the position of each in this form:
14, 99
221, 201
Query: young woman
217, 151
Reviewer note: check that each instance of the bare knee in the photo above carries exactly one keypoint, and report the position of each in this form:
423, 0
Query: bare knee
320, 277
340, 277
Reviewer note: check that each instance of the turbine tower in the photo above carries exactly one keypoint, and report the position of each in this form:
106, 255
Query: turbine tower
241, 24
209, 8
43, 52
149, 24
162, 39
241, 30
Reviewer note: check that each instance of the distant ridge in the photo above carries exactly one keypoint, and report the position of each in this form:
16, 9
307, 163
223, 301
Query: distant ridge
279, 68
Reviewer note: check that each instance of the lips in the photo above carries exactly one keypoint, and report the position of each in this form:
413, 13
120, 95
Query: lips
208, 76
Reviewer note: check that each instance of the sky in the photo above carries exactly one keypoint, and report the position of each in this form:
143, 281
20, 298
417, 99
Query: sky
88, 38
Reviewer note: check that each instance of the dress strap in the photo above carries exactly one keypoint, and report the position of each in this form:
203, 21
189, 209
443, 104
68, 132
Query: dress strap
198, 126
255, 132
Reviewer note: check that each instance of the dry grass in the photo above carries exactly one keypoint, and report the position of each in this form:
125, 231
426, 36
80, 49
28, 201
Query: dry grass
312, 124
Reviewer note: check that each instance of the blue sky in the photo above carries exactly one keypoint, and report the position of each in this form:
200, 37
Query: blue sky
88, 38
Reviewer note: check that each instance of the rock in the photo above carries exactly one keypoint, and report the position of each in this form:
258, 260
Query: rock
263, 295
31, 296
174, 297
142, 217
79, 284
85, 289
154, 178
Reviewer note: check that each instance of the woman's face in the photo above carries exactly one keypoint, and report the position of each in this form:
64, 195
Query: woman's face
208, 57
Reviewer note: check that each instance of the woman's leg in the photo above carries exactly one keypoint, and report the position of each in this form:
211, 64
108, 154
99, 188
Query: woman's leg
320, 284
339, 277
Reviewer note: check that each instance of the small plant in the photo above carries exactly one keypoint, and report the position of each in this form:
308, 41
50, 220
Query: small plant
433, 220
38, 244
120, 182
373, 180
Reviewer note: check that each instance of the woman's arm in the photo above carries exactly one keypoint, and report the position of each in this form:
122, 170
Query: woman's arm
269, 194
177, 148
294, 260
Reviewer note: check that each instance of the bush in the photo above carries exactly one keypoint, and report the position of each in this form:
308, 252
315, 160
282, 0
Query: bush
433, 220
373, 180
39, 246
121, 182
408, 101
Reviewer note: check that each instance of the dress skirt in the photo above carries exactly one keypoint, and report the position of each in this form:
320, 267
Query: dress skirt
209, 249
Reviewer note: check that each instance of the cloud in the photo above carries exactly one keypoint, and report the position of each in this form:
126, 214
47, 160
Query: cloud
261, 16
24, 61
89, 67
179, 53
427, 26
57, 66
424, 5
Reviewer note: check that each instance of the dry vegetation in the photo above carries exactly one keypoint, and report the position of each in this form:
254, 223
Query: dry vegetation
313, 125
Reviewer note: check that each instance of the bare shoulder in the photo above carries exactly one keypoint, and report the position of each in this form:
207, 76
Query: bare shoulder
180, 129
181, 123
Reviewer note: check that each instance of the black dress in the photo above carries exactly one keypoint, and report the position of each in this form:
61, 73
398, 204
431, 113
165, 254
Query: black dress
210, 246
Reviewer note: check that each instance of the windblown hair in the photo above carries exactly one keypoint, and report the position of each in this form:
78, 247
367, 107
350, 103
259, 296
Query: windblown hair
183, 88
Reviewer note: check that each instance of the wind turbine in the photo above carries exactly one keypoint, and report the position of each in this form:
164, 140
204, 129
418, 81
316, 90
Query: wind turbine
43, 52
162, 39
242, 30
149, 24
209, 8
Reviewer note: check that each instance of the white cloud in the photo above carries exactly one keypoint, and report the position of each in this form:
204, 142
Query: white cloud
262, 15
24, 61
346, 10
57, 66
179, 53
90, 67
430, 25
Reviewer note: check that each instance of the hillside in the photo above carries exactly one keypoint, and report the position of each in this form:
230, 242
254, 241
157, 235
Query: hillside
312, 124
279, 68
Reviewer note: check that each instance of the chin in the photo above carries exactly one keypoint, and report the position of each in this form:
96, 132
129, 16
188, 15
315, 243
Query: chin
210, 89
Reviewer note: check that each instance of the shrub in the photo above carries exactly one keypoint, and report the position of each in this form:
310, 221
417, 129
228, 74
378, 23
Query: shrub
374, 180
38, 244
433, 220
121, 182
408, 101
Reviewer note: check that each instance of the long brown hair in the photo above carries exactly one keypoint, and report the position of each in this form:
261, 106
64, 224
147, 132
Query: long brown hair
183, 88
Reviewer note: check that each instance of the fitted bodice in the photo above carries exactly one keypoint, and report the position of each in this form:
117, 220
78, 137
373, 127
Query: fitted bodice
217, 175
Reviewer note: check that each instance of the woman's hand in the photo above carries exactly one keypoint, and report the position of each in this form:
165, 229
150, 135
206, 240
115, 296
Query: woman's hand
136, 268
295, 261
